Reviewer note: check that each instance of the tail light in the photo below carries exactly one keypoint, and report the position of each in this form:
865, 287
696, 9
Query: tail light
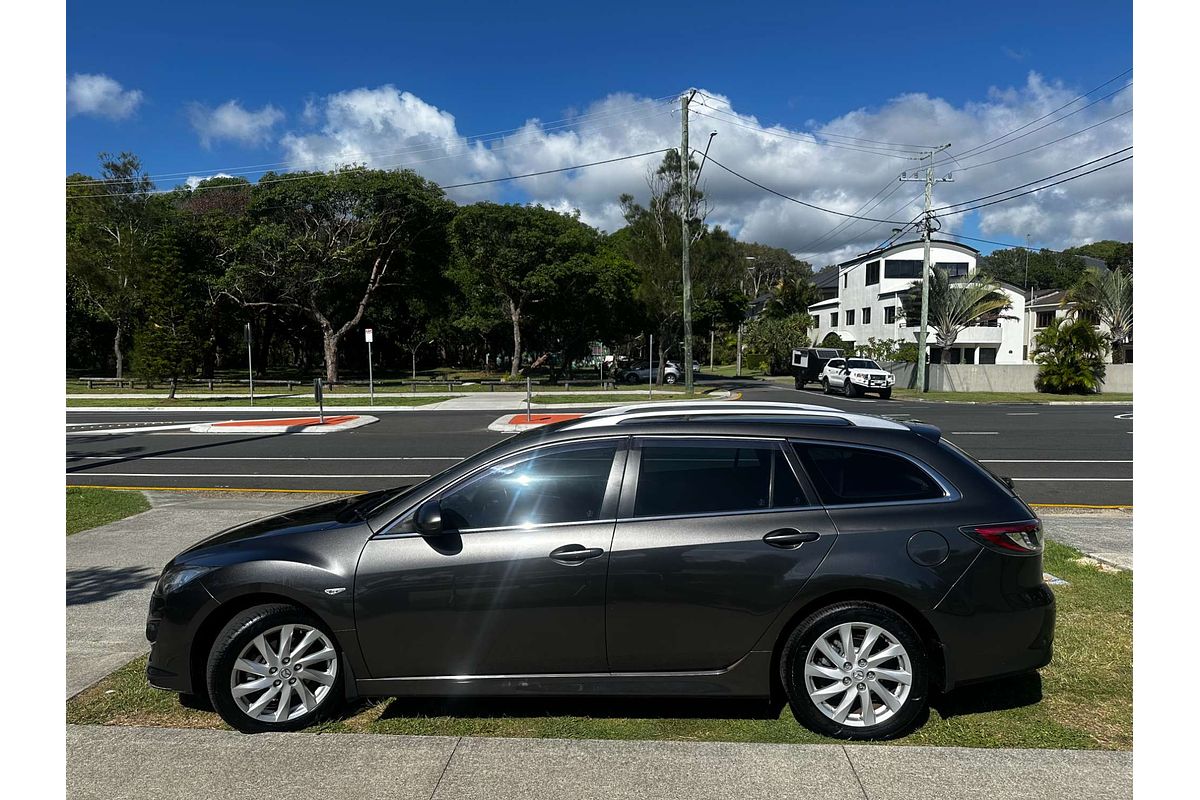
1015, 538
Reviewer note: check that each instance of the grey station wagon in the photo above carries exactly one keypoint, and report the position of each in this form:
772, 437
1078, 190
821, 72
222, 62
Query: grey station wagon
853, 563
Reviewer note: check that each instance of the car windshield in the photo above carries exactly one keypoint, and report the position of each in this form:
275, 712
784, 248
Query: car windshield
862, 363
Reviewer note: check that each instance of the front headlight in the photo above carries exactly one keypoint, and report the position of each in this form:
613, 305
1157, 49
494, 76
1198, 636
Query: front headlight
177, 578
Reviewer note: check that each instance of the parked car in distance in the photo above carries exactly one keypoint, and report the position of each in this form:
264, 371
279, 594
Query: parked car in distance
642, 373
675, 364
854, 376
673, 549
809, 362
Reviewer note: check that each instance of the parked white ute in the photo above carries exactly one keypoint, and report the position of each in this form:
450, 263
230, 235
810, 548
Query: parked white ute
855, 376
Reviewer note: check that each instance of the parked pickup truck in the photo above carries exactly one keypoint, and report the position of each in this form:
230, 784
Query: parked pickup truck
853, 376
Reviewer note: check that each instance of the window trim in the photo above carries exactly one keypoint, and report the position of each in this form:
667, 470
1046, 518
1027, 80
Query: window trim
612, 491
950, 492
633, 465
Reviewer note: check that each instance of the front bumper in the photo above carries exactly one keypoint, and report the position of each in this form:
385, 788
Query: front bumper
171, 627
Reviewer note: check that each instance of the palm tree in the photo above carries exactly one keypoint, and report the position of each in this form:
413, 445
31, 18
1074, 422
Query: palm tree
954, 304
1070, 353
1107, 296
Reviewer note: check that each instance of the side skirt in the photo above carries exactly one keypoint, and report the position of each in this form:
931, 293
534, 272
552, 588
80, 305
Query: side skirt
749, 677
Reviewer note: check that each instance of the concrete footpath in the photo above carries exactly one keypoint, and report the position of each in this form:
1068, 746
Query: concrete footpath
116, 763
1105, 535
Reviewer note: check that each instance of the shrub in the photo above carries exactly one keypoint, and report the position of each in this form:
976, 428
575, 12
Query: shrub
1071, 355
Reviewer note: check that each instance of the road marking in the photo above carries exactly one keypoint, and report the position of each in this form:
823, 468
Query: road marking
229, 475
111, 431
1047, 461
1123, 416
1078, 505
1097, 480
265, 458
974, 433
213, 489
1021, 414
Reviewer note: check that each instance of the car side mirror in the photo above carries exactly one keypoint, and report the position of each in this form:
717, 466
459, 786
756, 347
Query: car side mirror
428, 520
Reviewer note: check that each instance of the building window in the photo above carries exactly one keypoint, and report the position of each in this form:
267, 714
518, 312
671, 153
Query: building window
833, 319
846, 280
1044, 318
987, 355
850, 316
866, 316
902, 268
956, 269
889, 315
988, 320
872, 273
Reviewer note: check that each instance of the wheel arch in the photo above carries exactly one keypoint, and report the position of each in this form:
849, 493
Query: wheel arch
933, 645
206, 633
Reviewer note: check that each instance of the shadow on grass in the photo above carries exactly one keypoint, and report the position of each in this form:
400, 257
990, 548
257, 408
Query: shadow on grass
999, 695
595, 707
94, 584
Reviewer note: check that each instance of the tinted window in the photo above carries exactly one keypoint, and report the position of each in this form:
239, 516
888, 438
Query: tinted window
704, 477
903, 268
856, 475
554, 484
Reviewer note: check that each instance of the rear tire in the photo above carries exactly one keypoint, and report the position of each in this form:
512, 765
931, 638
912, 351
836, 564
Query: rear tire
301, 669
669, 378
881, 694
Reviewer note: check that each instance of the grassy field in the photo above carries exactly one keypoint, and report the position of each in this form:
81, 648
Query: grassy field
617, 397
1083, 700
1012, 397
90, 508
289, 400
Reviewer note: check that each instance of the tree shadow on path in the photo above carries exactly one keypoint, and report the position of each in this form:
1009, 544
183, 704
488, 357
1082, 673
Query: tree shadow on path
94, 584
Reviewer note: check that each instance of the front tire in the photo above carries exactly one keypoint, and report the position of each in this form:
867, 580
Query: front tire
274, 668
670, 378
850, 389
855, 670
825, 386
885, 394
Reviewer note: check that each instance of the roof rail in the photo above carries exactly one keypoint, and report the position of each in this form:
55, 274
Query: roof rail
695, 409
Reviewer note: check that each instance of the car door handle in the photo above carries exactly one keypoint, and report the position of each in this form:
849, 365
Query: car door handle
789, 538
574, 553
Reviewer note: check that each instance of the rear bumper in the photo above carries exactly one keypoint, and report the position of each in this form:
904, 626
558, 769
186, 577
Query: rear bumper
997, 620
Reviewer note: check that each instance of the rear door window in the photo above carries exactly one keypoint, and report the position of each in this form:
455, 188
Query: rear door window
846, 475
685, 477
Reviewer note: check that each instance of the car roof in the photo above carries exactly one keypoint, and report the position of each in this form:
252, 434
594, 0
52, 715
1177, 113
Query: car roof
699, 411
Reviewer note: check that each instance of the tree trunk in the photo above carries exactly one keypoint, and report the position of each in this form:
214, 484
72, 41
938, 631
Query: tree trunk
117, 352
516, 323
1118, 352
174, 383
330, 341
662, 365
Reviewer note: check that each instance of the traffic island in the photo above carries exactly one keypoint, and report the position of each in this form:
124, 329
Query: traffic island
515, 423
331, 424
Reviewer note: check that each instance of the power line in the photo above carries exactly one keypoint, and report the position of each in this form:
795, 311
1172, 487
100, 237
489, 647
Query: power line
848, 223
793, 199
1039, 180
790, 137
467, 143
1047, 144
450, 186
1038, 189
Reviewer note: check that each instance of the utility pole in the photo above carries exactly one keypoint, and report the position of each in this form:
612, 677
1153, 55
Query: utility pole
685, 212
926, 235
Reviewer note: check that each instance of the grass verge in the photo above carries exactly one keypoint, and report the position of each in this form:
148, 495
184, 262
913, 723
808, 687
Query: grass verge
295, 401
1012, 397
1083, 699
90, 508
615, 397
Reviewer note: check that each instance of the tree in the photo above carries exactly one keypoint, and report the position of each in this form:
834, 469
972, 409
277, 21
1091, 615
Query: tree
1114, 254
775, 337
954, 304
880, 349
1046, 269
769, 266
1106, 296
792, 296
836, 342
1070, 355
167, 345
514, 251
111, 226
325, 244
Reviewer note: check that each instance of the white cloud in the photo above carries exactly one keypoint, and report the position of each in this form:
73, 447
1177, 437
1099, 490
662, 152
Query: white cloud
386, 127
195, 180
101, 96
230, 121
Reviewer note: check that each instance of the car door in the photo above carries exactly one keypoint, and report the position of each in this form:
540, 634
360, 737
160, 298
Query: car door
715, 535
514, 585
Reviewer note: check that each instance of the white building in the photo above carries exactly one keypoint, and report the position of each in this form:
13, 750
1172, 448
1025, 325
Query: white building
867, 305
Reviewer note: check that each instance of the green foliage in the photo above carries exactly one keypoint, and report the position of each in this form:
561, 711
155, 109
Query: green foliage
955, 304
882, 349
792, 296
1070, 354
1107, 296
833, 340
1115, 255
1047, 269
776, 337
167, 346
907, 353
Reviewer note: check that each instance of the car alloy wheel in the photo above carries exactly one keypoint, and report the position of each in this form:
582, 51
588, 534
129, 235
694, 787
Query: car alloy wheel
284, 673
858, 674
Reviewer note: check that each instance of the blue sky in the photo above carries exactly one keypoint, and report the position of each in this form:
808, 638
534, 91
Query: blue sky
802, 66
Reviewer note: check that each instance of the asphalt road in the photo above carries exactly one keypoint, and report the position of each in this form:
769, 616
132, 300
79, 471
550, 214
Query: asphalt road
1056, 454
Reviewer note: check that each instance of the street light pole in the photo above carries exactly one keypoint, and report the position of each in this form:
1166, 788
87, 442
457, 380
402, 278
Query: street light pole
685, 213
250, 361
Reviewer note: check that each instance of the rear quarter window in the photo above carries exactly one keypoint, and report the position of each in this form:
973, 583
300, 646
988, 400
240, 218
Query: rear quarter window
848, 475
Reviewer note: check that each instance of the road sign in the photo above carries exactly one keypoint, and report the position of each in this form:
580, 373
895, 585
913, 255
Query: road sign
370, 335
319, 395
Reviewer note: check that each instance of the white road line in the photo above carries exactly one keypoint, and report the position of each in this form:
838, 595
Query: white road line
1048, 461
89, 474
268, 458
974, 433
1097, 480
1021, 414
112, 431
